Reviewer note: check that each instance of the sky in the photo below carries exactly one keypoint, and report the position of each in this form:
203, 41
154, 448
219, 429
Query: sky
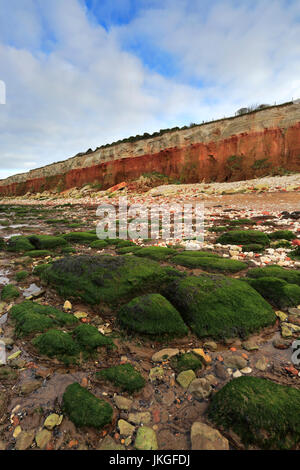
82, 73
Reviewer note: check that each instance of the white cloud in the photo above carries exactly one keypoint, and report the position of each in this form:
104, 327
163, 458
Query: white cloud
72, 85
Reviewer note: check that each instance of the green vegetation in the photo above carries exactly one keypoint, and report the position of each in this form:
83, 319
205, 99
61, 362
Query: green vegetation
124, 376
282, 235
185, 361
38, 253
211, 263
99, 244
235, 222
261, 412
220, 307
68, 249
31, 317
2, 243
128, 249
21, 276
89, 338
255, 247
243, 237
281, 244
277, 291
152, 314
157, 253
34, 242
105, 278
55, 343
80, 237
84, 409
9, 292
288, 275
261, 164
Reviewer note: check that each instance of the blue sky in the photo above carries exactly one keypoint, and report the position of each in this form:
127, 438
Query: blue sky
81, 73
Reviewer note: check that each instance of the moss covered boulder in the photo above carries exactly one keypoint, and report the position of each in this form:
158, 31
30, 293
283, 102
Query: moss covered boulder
89, 338
80, 237
35, 242
124, 376
220, 307
282, 235
158, 253
289, 275
99, 244
186, 361
84, 409
277, 291
31, 317
244, 237
210, 263
261, 412
9, 292
105, 278
58, 344
152, 314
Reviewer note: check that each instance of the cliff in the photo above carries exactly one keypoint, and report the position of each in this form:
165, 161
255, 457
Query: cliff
229, 149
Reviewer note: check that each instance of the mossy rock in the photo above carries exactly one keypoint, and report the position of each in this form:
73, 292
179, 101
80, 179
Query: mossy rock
31, 317
261, 412
217, 228
211, 263
106, 279
281, 244
125, 243
19, 243
236, 222
124, 376
80, 237
21, 276
68, 250
244, 237
295, 254
38, 253
219, 307
9, 292
89, 338
289, 275
40, 268
282, 235
152, 314
186, 361
128, 249
84, 409
158, 253
99, 244
58, 344
35, 242
277, 291
255, 247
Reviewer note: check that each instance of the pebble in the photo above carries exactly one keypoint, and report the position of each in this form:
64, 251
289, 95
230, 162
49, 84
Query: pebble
139, 418
67, 305
236, 374
125, 428
24, 440
185, 378
42, 438
123, 403
146, 439
200, 389
53, 420
204, 437
164, 354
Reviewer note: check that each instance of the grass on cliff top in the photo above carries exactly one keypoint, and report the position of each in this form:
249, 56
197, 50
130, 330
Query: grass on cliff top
210, 263
261, 412
124, 376
219, 307
153, 315
106, 279
31, 317
84, 409
243, 237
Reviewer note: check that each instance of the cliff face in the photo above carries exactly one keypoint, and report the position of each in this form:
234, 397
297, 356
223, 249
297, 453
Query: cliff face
226, 150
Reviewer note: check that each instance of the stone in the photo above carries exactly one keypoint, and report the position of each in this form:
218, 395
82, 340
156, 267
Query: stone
211, 345
146, 439
43, 438
2, 445
14, 355
24, 440
235, 362
30, 386
17, 431
200, 389
67, 305
109, 444
294, 311
8, 341
281, 315
164, 354
185, 378
280, 343
211, 379
123, 403
236, 374
220, 371
80, 315
286, 332
204, 437
200, 352
156, 373
3, 401
262, 364
53, 420
246, 370
125, 428
250, 345
140, 417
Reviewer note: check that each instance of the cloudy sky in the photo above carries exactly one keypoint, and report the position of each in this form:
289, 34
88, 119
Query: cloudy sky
81, 73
